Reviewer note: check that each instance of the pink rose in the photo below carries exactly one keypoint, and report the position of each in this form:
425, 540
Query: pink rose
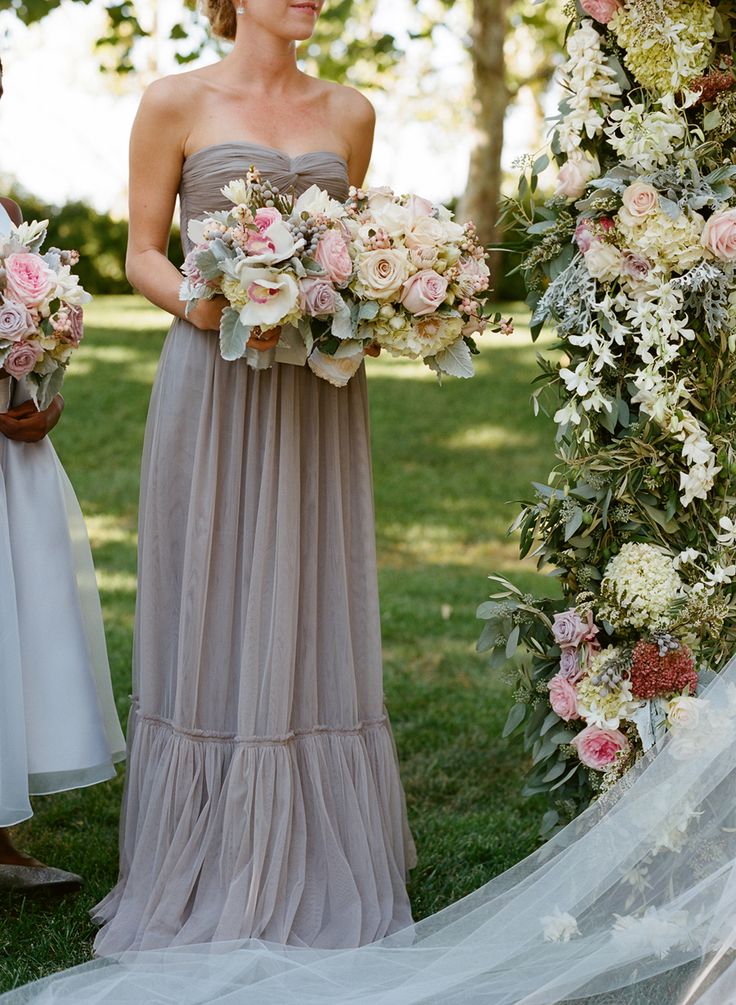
563, 698
601, 10
583, 234
15, 321
333, 255
266, 216
569, 629
597, 748
317, 297
424, 292
575, 174
28, 279
190, 267
719, 235
22, 358
474, 276
418, 206
69, 325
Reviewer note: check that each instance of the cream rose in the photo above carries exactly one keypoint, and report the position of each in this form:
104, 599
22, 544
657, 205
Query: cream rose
575, 174
383, 273
424, 233
603, 261
684, 712
639, 201
719, 235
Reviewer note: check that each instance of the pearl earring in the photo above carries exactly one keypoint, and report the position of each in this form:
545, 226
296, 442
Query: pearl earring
240, 10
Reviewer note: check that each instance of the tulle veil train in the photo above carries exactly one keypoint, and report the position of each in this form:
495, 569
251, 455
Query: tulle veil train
634, 903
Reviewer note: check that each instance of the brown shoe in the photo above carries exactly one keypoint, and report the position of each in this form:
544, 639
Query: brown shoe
36, 879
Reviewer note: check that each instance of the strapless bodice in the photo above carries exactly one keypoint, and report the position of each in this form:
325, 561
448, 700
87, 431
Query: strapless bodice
207, 170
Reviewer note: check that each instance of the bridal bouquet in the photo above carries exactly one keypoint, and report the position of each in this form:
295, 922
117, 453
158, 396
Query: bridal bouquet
380, 270
633, 260
41, 318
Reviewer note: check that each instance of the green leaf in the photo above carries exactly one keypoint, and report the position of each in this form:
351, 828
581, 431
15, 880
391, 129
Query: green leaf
512, 642
233, 335
712, 120
516, 716
574, 523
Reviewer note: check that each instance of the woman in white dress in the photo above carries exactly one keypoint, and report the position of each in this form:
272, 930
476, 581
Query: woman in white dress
59, 728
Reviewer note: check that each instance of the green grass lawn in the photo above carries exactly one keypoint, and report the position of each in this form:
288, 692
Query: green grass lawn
447, 462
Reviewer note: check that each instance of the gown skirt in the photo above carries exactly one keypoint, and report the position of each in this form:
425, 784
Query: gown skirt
59, 728
263, 797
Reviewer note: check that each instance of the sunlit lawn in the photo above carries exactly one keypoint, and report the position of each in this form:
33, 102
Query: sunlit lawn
447, 462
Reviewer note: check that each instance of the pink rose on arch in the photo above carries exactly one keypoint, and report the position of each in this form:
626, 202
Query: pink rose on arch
719, 235
584, 234
333, 255
266, 216
601, 10
424, 293
563, 698
317, 297
22, 358
598, 748
28, 279
569, 629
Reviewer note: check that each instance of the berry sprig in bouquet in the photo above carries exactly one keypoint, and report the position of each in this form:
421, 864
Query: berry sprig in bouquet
41, 316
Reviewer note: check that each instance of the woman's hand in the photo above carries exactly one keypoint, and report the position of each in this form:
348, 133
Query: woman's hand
207, 314
26, 424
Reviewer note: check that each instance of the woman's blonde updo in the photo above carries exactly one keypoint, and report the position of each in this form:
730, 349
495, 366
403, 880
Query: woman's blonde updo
222, 18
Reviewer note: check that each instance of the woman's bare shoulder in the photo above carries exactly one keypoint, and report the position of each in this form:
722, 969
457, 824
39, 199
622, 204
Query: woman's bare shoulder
13, 210
349, 102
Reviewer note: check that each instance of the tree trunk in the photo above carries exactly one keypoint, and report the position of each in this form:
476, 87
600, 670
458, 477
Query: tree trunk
481, 199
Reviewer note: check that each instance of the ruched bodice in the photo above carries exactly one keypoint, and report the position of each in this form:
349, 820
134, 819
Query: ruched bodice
207, 170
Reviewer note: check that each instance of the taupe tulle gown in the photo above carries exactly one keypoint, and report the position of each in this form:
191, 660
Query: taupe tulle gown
263, 796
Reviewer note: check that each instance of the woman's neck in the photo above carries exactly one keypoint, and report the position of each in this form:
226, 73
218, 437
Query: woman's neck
260, 60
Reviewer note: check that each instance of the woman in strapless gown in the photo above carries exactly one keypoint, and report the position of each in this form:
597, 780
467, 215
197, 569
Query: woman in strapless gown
58, 724
263, 797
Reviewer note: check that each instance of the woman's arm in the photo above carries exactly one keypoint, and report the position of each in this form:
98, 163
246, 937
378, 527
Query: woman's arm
156, 159
358, 113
